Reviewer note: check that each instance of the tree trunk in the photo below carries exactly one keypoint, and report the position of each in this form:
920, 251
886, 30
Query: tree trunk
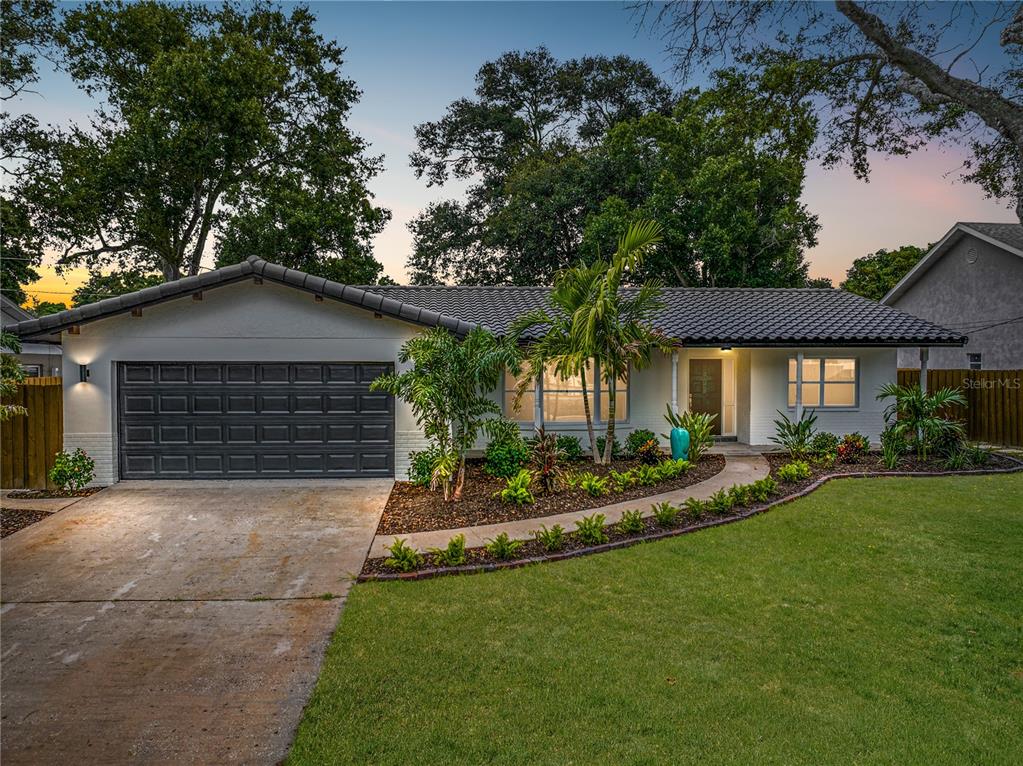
589, 418
612, 407
459, 480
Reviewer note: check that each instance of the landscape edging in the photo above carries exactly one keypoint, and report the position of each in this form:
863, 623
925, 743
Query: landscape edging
423, 574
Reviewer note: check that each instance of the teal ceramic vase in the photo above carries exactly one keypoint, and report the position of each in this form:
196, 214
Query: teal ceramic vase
679, 444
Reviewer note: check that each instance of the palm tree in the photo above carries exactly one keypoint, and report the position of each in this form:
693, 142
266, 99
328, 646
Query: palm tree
556, 350
917, 414
615, 327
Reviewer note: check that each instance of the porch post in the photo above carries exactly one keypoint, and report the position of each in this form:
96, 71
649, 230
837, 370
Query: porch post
924, 353
674, 382
799, 386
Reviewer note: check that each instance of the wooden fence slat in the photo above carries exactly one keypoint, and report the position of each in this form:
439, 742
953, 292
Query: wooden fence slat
994, 412
29, 442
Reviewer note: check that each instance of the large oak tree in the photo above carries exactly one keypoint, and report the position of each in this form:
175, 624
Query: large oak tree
889, 76
212, 123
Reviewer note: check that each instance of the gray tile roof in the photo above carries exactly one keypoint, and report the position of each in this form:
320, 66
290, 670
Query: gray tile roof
712, 316
694, 316
1010, 234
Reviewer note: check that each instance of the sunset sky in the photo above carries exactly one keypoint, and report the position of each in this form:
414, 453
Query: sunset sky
412, 60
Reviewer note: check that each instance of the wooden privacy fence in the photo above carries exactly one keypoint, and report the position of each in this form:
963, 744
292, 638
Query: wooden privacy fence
995, 397
29, 442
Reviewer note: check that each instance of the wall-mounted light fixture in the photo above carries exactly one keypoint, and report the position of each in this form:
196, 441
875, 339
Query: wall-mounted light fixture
83, 373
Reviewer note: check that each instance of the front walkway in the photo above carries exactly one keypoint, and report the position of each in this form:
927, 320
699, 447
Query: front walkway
176, 622
739, 469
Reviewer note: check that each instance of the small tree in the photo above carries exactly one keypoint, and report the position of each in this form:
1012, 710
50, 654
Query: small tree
11, 375
916, 414
557, 349
447, 388
614, 325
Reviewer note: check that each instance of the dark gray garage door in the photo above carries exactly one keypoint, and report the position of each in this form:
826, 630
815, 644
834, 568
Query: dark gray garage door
179, 420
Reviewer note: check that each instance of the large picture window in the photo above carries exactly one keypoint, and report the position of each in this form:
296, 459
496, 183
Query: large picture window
827, 382
563, 399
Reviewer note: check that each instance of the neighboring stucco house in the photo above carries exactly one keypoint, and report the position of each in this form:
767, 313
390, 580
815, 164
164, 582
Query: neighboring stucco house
39, 358
972, 282
258, 371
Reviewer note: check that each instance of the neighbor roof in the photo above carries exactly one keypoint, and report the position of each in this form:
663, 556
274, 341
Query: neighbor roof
1007, 236
693, 316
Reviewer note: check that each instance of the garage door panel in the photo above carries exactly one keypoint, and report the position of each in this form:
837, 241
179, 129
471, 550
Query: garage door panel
251, 420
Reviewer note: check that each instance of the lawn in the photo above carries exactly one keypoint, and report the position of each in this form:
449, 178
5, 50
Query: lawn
876, 621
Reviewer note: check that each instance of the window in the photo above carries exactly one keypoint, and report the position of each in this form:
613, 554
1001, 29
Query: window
974, 361
621, 399
524, 410
826, 382
32, 370
563, 399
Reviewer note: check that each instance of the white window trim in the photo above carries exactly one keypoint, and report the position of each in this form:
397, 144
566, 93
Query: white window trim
593, 388
833, 407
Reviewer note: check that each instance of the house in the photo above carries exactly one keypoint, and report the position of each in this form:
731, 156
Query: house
39, 358
258, 371
972, 282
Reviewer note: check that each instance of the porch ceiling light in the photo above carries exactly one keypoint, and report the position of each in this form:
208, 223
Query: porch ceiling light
726, 348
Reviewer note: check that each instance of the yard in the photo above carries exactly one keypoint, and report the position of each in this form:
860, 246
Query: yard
874, 621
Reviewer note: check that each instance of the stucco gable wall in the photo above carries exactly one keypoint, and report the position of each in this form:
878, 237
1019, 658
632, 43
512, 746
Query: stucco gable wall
960, 295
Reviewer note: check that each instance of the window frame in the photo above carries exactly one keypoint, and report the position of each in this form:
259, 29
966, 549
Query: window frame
570, 425
820, 383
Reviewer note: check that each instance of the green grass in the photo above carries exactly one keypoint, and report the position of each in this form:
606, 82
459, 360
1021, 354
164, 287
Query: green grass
875, 621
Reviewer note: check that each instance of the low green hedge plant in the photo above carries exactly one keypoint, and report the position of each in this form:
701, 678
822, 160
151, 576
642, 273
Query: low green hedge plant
665, 513
631, 522
552, 539
797, 470
453, 554
503, 547
517, 491
403, 556
591, 529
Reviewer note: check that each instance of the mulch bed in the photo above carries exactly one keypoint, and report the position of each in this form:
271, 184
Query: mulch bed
871, 463
480, 560
50, 494
13, 519
416, 509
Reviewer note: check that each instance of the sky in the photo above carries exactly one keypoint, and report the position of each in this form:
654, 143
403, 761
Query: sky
412, 59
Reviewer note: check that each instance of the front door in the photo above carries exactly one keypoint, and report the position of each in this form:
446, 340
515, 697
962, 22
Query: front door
705, 389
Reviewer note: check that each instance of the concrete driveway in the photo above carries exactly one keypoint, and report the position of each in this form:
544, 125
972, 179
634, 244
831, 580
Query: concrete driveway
176, 622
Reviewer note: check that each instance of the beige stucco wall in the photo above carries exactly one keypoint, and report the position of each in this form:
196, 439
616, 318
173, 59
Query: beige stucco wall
240, 322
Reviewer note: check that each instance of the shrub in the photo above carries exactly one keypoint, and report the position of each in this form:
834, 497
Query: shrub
646, 475
517, 490
616, 447
664, 513
893, 446
672, 469
741, 494
795, 471
696, 508
591, 529
453, 555
700, 426
763, 489
916, 415
853, 447
503, 547
635, 440
721, 502
650, 453
552, 539
631, 522
827, 460
403, 556
978, 456
72, 470
823, 443
948, 443
570, 447
420, 470
957, 461
593, 485
545, 461
795, 437
621, 481
507, 452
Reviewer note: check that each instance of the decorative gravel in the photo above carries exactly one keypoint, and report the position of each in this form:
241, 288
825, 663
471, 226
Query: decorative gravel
13, 519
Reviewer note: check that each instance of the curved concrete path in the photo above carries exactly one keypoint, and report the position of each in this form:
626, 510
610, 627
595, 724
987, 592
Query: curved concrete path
739, 469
